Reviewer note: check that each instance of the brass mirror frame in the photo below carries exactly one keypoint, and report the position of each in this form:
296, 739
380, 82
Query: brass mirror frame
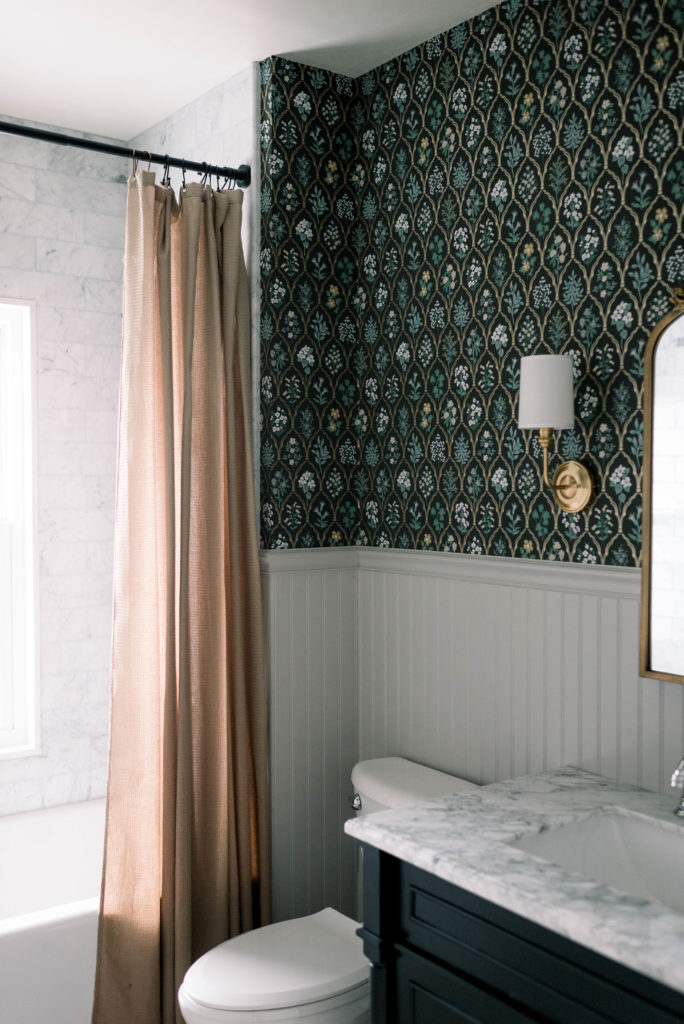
645, 668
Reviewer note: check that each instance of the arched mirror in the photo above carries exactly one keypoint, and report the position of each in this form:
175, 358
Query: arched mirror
662, 576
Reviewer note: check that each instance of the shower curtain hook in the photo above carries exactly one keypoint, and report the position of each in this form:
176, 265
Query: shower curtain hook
149, 162
183, 170
135, 163
166, 177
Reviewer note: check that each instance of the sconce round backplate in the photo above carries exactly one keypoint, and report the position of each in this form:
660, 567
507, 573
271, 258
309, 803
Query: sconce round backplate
572, 487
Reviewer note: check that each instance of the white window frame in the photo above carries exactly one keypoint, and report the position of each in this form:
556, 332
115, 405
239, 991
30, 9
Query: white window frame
19, 661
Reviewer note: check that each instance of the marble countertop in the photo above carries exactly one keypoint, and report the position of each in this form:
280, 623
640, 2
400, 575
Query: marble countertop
463, 839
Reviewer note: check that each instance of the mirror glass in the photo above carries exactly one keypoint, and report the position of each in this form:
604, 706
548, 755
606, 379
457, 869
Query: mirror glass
662, 626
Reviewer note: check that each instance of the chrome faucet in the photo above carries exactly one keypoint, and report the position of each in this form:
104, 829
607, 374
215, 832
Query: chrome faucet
678, 780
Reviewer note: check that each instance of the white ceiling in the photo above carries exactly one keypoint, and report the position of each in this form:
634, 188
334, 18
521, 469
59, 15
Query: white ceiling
117, 68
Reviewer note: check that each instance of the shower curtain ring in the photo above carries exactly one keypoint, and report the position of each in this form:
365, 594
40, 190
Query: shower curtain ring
183, 170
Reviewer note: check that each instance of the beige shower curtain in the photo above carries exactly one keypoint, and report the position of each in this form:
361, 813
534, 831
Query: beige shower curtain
187, 842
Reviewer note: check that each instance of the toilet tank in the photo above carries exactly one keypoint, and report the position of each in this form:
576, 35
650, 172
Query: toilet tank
386, 782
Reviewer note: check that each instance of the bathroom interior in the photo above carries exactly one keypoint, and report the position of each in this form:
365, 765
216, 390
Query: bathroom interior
434, 196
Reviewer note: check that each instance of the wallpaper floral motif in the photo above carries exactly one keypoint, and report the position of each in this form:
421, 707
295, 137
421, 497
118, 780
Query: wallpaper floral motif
513, 186
309, 382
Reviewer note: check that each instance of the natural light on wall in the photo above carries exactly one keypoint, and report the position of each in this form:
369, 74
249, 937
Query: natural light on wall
18, 650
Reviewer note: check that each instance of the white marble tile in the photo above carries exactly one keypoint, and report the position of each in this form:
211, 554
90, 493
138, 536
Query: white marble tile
63, 424
104, 362
97, 779
17, 183
102, 296
55, 324
99, 689
24, 795
62, 356
51, 289
65, 211
17, 251
85, 163
61, 689
24, 152
105, 229
59, 257
66, 788
61, 245
85, 458
57, 624
101, 424
100, 555
60, 559
75, 193
77, 589
100, 491
56, 492
463, 839
69, 391
84, 524
39, 219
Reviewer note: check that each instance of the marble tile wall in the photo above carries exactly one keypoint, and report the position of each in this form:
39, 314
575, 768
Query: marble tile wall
220, 128
61, 247
62, 222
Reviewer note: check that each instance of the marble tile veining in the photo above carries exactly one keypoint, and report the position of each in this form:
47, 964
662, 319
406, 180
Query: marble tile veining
62, 228
464, 840
62, 220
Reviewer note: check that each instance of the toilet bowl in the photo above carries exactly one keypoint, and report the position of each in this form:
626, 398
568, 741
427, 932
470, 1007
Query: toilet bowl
311, 969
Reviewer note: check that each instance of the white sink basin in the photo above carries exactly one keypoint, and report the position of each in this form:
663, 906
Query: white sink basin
640, 855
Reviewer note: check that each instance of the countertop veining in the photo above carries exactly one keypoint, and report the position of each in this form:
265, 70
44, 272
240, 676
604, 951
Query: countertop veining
463, 839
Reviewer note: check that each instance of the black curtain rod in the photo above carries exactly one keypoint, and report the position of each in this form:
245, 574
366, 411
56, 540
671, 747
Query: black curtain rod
241, 175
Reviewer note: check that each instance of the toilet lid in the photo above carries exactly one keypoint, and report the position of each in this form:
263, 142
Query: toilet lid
281, 965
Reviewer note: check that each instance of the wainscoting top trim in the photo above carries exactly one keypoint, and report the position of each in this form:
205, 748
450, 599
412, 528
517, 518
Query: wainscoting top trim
600, 580
308, 559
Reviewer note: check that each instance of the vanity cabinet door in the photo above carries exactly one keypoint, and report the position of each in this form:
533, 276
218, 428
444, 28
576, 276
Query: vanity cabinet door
429, 993
441, 955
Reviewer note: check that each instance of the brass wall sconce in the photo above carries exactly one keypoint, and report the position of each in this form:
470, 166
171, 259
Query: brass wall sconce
546, 403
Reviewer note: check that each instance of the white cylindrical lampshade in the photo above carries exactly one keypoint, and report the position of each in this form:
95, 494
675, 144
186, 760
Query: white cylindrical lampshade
546, 393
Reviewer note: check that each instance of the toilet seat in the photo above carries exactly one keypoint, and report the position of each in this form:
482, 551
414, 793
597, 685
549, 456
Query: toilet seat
317, 959
351, 1007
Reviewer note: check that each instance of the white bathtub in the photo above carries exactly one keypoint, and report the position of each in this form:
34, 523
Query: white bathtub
50, 871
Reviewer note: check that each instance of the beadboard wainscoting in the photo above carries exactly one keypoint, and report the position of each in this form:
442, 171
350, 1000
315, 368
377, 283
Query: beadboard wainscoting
311, 628
484, 667
496, 667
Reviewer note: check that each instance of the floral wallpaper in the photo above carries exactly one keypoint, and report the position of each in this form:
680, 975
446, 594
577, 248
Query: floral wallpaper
309, 380
513, 186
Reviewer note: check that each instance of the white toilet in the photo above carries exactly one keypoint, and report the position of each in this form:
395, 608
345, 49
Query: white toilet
311, 969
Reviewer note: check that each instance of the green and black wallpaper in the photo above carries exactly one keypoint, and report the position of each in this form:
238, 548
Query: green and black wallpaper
511, 187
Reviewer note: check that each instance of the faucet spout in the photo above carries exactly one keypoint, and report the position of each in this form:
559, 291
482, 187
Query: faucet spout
678, 781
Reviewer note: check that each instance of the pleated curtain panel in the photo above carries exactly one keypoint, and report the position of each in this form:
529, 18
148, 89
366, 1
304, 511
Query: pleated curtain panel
187, 838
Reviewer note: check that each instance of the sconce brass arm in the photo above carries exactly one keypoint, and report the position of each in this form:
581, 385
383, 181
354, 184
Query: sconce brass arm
572, 485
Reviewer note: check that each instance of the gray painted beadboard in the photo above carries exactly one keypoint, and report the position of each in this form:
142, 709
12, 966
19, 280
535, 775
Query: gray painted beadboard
487, 668
310, 610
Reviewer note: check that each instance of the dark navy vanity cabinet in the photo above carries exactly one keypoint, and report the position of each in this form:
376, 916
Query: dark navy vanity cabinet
441, 955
